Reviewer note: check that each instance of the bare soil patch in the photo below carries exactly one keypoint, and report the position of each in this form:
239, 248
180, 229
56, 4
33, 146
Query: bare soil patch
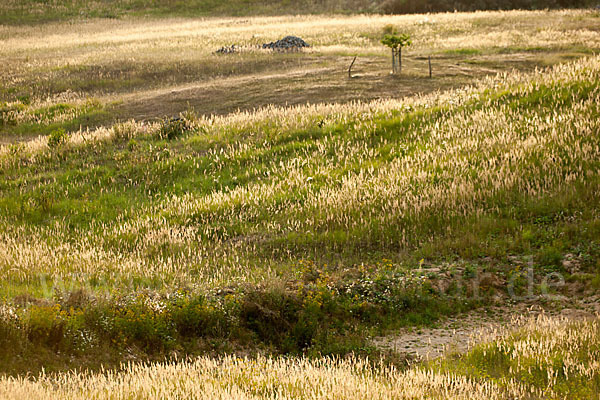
458, 334
316, 80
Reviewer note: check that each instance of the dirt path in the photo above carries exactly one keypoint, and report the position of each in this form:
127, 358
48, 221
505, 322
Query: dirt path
309, 84
322, 80
314, 79
457, 334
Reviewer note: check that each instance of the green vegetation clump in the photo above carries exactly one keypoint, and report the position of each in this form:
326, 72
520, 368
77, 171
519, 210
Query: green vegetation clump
57, 137
173, 128
313, 315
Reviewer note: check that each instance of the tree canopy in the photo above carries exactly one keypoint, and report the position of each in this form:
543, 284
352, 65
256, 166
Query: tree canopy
396, 41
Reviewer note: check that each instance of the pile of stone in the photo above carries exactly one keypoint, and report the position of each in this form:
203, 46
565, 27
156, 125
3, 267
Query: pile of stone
288, 43
228, 49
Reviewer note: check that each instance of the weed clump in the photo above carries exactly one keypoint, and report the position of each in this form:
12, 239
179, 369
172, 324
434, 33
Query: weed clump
46, 325
172, 128
57, 137
9, 112
550, 256
125, 130
132, 144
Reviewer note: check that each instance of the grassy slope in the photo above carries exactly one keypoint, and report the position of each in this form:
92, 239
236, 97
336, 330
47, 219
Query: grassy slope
40, 11
296, 228
34, 11
145, 69
127, 210
335, 189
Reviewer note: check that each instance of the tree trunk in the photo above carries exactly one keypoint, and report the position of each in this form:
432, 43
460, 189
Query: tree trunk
393, 61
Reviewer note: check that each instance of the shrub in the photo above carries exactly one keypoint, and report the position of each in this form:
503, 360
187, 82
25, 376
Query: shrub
550, 257
193, 316
57, 137
396, 43
270, 314
46, 325
142, 322
10, 330
173, 128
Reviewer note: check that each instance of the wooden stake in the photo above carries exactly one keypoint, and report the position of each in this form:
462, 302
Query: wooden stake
400, 59
350, 69
430, 71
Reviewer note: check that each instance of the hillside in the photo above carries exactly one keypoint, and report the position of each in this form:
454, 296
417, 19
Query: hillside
294, 226
35, 11
88, 74
264, 224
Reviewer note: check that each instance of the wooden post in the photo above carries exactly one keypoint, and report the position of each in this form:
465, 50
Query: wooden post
400, 59
350, 69
430, 72
393, 61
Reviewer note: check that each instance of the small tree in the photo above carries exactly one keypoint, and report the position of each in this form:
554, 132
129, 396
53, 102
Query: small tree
396, 43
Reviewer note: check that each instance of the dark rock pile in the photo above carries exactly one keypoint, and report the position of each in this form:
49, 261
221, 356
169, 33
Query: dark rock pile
288, 43
228, 49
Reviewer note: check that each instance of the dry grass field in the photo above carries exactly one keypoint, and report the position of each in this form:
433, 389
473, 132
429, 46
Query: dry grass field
106, 70
290, 210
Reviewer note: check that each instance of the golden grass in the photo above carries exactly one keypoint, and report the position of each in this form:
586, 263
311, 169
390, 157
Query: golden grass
501, 147
30, 53
466, 29
148, 68
540, 339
